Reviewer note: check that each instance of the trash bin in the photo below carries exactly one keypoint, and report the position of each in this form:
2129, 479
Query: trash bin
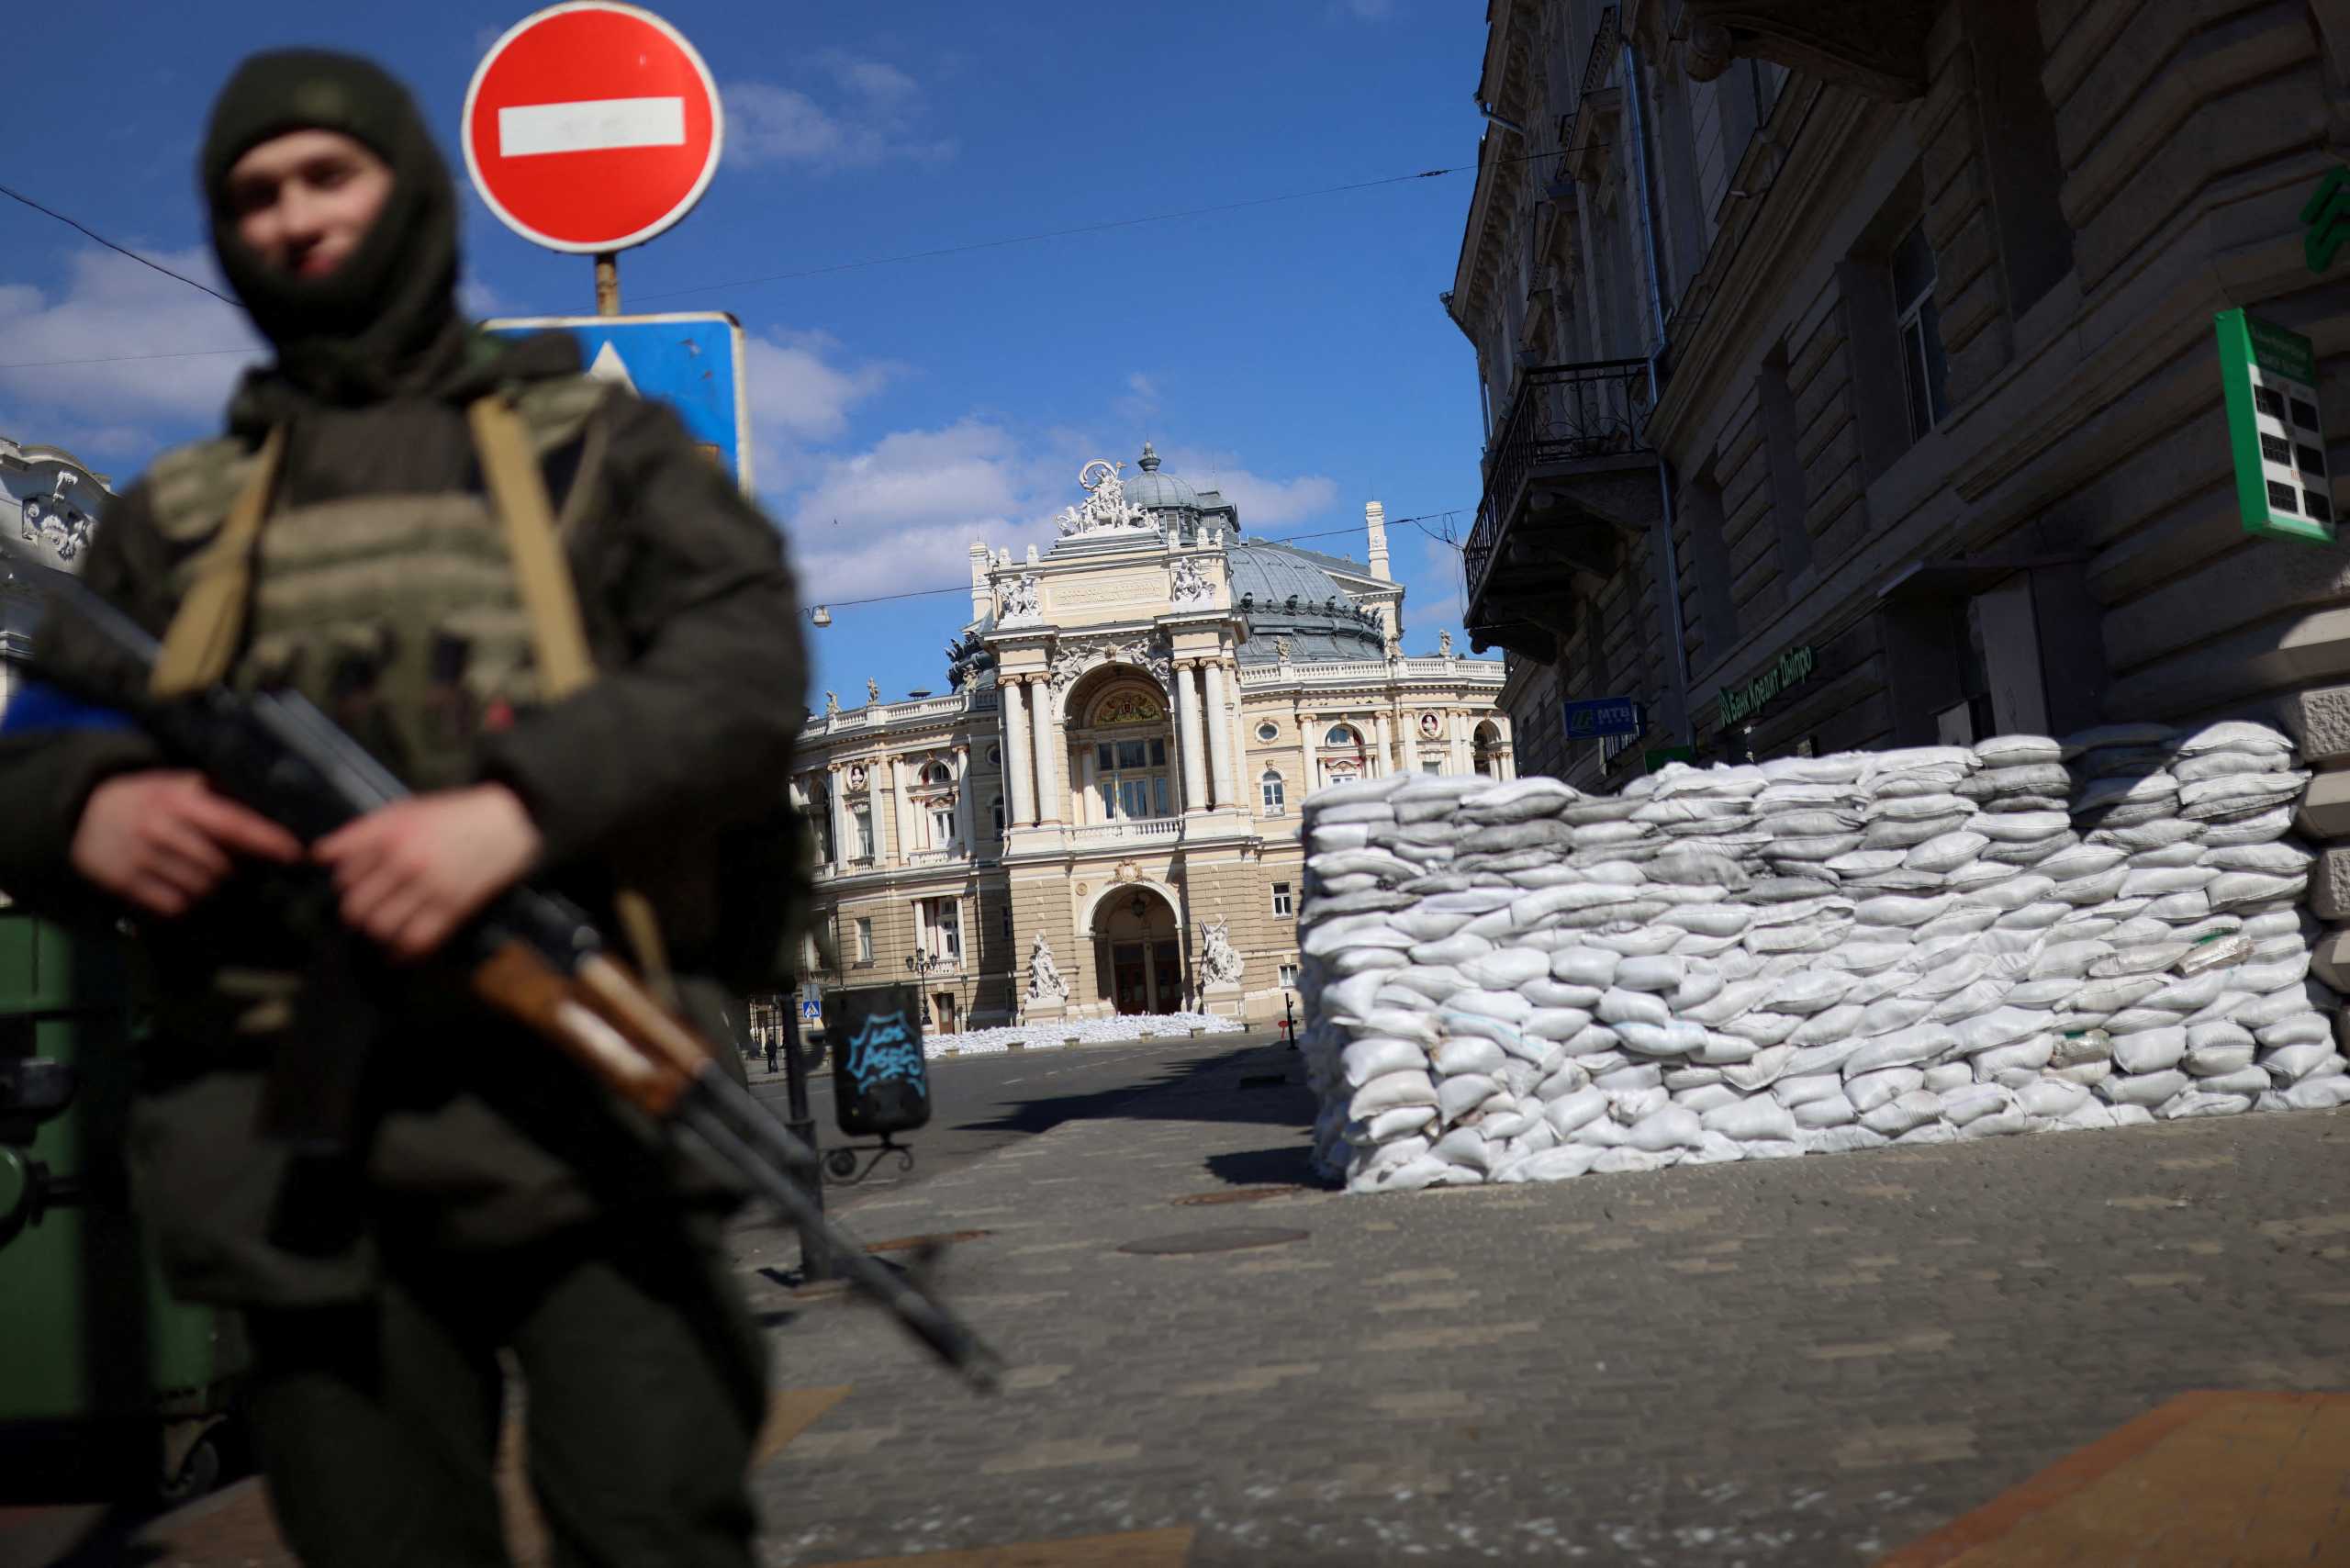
109, 1388
880, 1083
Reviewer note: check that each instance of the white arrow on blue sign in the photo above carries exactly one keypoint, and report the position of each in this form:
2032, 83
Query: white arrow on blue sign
691, 360
1600, 716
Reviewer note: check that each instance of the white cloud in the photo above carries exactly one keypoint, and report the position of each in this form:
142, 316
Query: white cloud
904, 512
797, 390
876, 118
1264, 503
122, 344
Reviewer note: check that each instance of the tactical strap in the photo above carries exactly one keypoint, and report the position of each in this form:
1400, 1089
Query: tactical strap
519, 493
201, 641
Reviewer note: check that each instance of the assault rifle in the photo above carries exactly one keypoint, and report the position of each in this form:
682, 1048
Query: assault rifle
532, 953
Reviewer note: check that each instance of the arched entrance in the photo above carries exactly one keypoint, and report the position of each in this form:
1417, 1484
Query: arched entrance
1138, 951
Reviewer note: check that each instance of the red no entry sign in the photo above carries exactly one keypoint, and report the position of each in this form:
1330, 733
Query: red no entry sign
591, 126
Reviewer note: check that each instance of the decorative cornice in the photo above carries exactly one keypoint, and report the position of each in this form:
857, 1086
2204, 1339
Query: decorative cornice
1876, 47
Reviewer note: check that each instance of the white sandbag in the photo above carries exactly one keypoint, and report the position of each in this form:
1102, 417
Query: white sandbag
1505, 968
2291, 1064
1759, 1072
1457, 1096
1838, 1023
2318, 1093
2076, 1047
2245, 1080
1999, 1124
1467, 1055
1629, 1078
1564, 1162
2000, 1026
2299, 1029
1672, 1126
1874, 1089
2017, 751
1706, 1097
2264, 828
2154, 881
1945, 851
1370, 1058
1904, 1112
1901, 1048
1971, 1102
1659, 974
1747, 1119
1575, 1111
1700, 983
1584, 966
2217, 1061
2028, 1057
1389, 1091
1556, 993
1561, 1023
1506, 1005
1829, 1111
1945, 1076
1840, 1140
1401, 1122
2052, 1098
2151, 1049
1793, 1092
2146, 1088
1970, 1002
2197, 1102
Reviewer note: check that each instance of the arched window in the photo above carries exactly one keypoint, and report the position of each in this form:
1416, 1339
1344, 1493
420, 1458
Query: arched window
1269, 786
936, 774
1342, 734
1488, 749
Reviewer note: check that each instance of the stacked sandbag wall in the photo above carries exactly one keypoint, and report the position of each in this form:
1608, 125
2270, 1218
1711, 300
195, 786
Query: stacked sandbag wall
1519, 982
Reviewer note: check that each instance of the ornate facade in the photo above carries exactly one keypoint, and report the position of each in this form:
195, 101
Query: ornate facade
1101, 814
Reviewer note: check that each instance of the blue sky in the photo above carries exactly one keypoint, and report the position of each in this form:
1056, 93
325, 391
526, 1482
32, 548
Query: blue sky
1293, 352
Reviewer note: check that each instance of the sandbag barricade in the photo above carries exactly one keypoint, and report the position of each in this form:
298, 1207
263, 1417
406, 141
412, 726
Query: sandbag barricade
1509, 982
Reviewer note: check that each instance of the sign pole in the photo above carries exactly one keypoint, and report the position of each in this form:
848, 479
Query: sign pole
607, 282
815, 1259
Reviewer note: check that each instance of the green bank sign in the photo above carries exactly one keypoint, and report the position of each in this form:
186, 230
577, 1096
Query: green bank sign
2269, 380
1739, 702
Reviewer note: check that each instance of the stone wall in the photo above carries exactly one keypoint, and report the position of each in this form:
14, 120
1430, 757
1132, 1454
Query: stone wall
1516, 981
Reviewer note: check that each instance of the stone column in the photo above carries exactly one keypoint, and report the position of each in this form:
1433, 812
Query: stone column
1227, 793
1382, 746
965, 826
1464, 748
1307, 724
881, 796
1187, 725
1052, 797
1017, 754
844, 838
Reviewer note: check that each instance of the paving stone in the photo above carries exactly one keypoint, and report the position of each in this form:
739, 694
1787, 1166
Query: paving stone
1783, 1362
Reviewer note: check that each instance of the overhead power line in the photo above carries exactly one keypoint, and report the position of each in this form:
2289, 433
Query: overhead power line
1035, 238
125, 250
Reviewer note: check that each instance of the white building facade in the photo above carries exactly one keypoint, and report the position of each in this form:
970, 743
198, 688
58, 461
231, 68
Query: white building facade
1100, 815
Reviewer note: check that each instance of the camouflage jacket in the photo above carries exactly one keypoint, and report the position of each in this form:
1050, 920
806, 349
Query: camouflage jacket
651, 777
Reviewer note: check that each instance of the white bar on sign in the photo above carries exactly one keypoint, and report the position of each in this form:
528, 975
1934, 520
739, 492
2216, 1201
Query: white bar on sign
593, 125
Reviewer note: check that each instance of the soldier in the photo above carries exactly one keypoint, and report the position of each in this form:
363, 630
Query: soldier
479, 1199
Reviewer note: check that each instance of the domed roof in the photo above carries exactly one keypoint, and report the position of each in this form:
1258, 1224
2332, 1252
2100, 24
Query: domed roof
1285, 595
1153, 490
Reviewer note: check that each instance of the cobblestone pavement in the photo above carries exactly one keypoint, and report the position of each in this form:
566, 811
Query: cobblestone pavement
1807, 1361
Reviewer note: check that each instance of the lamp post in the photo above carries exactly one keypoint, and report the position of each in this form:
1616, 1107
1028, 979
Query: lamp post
922, 965
815, 1259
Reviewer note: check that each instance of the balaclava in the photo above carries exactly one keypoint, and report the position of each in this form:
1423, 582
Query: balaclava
385, 320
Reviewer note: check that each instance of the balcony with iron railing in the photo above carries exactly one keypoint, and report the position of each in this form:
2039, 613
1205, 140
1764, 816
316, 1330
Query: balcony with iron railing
1569, 476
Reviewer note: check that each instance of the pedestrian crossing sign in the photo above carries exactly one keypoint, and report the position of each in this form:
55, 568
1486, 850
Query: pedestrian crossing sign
691, 360
812, 1010
2268, 376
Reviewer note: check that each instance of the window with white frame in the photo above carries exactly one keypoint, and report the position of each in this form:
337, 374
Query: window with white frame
942, 826
1289, 976
940, 923
864, 939
1132, 778
1281, 903
1270, 788
863, 817
1924, 372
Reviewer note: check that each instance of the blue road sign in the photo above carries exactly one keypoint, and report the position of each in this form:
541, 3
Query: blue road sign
1601, 716
812, 1010
691, 360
